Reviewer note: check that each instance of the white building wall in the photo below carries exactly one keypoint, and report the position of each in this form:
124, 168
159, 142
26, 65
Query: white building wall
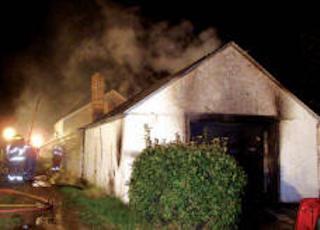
163, 127
226, 83
100, 154
298, 152
89, 157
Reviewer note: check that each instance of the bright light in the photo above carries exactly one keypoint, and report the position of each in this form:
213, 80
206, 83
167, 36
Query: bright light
36, 140
19, 178
8, 133
12, 178
17, 158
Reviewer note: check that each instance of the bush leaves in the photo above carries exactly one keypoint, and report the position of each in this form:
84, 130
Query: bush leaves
187, 185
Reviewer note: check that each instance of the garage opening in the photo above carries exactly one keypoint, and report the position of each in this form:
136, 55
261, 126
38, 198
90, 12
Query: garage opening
252, 140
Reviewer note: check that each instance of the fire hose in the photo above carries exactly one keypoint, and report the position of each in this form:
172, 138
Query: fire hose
18, 208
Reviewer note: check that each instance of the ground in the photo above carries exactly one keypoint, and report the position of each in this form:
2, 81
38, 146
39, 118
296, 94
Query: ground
279, 218
66, 215
59, 218
62, 217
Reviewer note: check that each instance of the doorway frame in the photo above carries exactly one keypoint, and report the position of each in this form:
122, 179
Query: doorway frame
272, 122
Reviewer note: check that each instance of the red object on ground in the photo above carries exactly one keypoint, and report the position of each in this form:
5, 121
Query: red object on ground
308, 214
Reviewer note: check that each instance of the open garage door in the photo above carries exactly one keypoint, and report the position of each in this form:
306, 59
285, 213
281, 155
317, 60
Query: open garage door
253, 142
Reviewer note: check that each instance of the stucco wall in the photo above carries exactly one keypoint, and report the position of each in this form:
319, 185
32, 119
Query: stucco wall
228, 83
163, 126
298, 152
102, 145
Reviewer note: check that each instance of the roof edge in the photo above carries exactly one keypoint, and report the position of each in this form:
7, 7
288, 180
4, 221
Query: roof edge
131, 102
177, 75
273, 79
88, 104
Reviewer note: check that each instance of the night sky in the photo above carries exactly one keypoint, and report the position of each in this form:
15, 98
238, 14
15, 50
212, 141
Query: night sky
285, 45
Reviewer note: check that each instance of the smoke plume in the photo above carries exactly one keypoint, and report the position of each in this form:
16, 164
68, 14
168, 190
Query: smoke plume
84, 37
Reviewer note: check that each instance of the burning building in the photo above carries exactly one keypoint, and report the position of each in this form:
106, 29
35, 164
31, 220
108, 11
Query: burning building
272, 134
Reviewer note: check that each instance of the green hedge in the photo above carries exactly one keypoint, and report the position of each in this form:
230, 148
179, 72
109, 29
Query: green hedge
187, 186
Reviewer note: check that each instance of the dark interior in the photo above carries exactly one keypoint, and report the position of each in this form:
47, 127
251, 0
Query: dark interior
253, 143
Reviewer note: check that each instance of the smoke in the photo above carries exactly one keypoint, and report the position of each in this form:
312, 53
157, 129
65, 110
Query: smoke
84, 37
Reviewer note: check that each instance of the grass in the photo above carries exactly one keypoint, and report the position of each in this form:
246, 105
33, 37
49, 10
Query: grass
102, 212
7, 199
9, 221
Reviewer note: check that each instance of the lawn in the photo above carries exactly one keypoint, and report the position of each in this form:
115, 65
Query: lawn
9, 221
102, 212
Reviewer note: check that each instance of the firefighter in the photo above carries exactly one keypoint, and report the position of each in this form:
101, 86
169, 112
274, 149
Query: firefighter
16, 156
57, 153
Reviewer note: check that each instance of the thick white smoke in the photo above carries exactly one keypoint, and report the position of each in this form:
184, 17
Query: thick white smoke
129, 51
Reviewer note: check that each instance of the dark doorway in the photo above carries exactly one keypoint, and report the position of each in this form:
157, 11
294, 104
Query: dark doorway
253, 142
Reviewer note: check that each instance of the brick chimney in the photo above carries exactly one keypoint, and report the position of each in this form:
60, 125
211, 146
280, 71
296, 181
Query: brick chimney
97, 96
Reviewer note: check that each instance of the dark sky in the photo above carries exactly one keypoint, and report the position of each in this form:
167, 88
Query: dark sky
279, 39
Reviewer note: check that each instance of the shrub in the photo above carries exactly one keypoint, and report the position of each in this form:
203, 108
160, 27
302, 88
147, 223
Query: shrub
188, 186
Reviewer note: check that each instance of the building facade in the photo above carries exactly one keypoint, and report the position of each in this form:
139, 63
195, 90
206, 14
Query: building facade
272, 134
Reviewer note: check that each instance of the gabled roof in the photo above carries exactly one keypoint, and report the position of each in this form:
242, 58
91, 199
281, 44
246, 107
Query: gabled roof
120, 110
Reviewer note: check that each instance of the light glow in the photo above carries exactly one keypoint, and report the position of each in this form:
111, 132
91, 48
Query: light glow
13, 178
19, 178
9, 133
57, 168
36, 140
17, 158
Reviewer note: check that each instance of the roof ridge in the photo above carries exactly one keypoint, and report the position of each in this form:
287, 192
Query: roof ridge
161, 83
